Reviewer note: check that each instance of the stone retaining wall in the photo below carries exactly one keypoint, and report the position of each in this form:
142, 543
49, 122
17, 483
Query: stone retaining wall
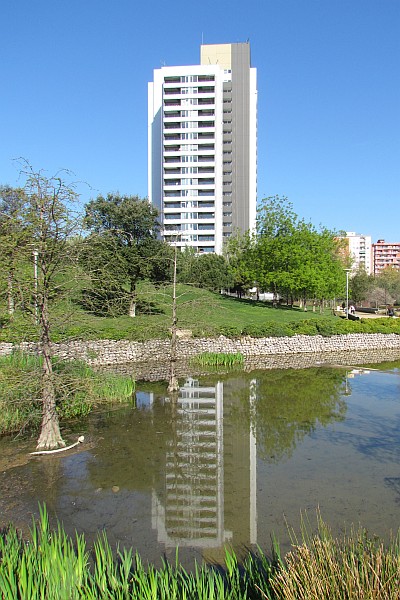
109, 352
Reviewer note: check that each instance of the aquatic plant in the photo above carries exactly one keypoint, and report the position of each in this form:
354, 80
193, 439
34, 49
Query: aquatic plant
55, 566
218, 359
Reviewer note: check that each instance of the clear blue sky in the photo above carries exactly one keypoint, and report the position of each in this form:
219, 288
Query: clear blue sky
74, 79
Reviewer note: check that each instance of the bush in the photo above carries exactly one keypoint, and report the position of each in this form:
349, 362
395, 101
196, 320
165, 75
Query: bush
306, 327
270, 329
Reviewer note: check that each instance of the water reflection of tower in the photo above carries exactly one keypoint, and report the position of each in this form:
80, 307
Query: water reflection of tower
209, 493
189, 511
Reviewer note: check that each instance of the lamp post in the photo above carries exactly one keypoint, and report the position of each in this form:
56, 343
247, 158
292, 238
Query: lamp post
347, 292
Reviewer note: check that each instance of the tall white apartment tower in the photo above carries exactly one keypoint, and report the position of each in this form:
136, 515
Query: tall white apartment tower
203, 147
360, 251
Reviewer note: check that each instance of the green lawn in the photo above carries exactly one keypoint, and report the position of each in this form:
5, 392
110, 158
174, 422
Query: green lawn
203, 312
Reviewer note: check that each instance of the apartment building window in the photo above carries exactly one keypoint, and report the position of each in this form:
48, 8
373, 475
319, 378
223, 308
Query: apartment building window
188, 78
189, 124
189, 101
189, 181
189, 158
189, 169
189, 136
188, 90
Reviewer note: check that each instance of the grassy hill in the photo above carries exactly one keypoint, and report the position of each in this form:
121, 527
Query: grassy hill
203, 312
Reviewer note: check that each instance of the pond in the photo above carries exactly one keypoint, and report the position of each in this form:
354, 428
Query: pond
233, 460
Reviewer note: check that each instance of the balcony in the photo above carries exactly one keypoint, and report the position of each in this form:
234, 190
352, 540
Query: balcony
206, 101
209, 216
171, 113
209, 112
172, 205
205, 227
206, 136
206, 89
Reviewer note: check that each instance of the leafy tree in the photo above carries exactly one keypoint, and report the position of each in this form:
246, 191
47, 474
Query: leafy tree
122, 249
13, 237
209, 271
389, 281
291, 257
360, 285
237, 252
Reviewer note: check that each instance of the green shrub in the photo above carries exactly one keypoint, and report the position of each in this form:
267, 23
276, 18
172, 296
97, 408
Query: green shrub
270, 329
306, 327
230, 332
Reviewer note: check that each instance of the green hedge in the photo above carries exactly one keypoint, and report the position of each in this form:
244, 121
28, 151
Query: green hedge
324, 327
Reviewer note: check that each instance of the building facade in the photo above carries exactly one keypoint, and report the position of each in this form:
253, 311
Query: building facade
360, 251
385, 254
203, 147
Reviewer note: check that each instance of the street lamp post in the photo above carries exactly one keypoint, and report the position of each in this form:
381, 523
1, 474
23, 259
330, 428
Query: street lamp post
347, 292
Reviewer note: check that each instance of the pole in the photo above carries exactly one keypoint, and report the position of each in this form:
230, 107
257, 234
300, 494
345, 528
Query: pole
35, 272
347, 293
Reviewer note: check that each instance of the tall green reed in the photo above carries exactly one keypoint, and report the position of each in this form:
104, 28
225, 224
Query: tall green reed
222, 359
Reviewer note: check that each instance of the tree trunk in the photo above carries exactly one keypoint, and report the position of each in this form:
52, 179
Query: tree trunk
132, 308
50, 436
132, 305
10, 294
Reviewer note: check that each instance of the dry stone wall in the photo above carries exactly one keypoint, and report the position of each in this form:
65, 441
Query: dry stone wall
109, 352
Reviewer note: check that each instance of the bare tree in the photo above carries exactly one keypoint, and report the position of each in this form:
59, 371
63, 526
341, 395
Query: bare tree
51, 221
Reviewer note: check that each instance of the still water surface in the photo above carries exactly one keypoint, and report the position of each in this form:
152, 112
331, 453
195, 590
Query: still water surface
231, 461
